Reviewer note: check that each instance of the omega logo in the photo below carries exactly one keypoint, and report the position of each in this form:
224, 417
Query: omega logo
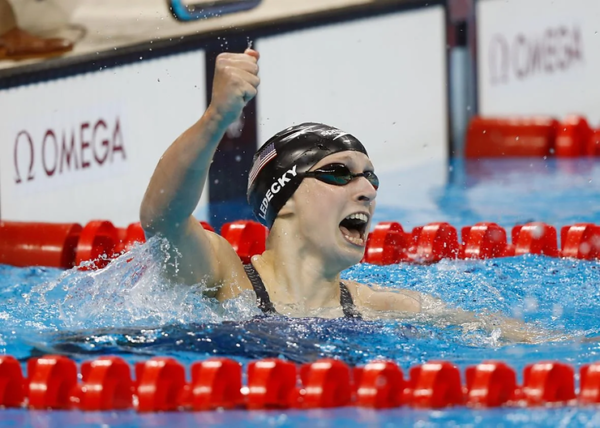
556, 49
61, 151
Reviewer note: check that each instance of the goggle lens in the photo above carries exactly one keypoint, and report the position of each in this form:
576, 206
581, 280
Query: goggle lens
340, 175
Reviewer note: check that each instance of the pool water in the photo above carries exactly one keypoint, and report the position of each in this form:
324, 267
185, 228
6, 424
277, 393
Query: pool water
127, 310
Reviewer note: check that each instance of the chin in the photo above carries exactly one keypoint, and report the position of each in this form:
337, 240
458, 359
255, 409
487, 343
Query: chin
350, 258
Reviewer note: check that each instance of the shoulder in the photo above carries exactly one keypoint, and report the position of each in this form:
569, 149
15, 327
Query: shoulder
375, 297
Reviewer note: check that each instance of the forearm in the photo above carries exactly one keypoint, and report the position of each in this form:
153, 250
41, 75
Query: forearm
510, 329
177, 183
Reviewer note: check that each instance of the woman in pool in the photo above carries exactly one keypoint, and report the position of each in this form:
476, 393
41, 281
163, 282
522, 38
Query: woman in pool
313, 185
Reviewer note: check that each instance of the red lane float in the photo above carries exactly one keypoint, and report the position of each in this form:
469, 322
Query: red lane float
490, 384
484, 240
216, 383
580, 241
387, 244
96, 244
207, 226
435, 385
535, 238
593, 148
573, 137
434, 242
589, 380
380, 386
496, 137
271, 384
52, 380
326, 384
160, 386
127, 237
107, 385
38, 244
247, 238
12, 382
548, 382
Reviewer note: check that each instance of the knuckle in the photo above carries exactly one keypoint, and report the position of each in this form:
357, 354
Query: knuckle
221, 58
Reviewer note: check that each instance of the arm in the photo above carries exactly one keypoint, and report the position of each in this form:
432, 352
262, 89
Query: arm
378, 298
177, 183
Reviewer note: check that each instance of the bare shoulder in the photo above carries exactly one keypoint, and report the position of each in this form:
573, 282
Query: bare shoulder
379, 298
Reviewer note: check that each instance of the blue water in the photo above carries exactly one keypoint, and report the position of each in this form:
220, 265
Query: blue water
126, 309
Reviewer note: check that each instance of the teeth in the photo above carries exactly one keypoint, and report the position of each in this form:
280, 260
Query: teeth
358, 216
357, 241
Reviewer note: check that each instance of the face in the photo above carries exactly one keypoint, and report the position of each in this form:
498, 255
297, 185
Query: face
336, 219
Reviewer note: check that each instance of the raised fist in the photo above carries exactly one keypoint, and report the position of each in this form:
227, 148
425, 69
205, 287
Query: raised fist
235, 83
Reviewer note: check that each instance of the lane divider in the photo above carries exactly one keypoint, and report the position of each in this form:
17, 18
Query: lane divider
389, 244
68, 245
531, 136
160, 384
65, 245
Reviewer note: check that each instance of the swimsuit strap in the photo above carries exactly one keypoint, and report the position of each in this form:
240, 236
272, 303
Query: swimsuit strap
262, 296
265, 304
347, 303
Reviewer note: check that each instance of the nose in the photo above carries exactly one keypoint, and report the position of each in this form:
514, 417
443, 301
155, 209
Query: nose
365, 192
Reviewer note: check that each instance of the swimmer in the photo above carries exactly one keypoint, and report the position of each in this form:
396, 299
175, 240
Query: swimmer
312, 185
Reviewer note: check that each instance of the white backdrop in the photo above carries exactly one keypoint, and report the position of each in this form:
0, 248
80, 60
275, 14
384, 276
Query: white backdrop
539, 57
85, 147
382, 79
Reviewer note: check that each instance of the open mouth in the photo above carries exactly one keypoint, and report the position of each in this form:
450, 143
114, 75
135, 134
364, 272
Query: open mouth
354, 228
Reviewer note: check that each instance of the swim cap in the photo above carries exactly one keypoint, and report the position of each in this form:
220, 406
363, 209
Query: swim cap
279, 164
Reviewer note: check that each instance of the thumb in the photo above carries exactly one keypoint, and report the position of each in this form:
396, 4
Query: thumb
252, 53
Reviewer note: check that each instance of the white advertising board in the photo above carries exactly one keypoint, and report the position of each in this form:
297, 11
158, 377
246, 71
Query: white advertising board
383, 79
539, 57
84, 147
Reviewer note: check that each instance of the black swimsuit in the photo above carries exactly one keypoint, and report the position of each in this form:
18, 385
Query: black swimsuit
265, 304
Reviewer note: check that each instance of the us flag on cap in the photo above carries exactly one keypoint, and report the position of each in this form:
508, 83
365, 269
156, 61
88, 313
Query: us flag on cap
267, 154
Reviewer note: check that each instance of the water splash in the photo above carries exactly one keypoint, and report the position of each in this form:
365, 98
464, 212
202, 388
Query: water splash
130, 291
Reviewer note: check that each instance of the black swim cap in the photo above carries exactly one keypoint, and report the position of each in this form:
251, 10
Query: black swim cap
278, 165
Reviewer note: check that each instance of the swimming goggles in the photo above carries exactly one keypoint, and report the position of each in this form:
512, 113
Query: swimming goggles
339, 175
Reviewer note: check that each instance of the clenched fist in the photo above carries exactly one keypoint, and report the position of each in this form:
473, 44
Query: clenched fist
235, 83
